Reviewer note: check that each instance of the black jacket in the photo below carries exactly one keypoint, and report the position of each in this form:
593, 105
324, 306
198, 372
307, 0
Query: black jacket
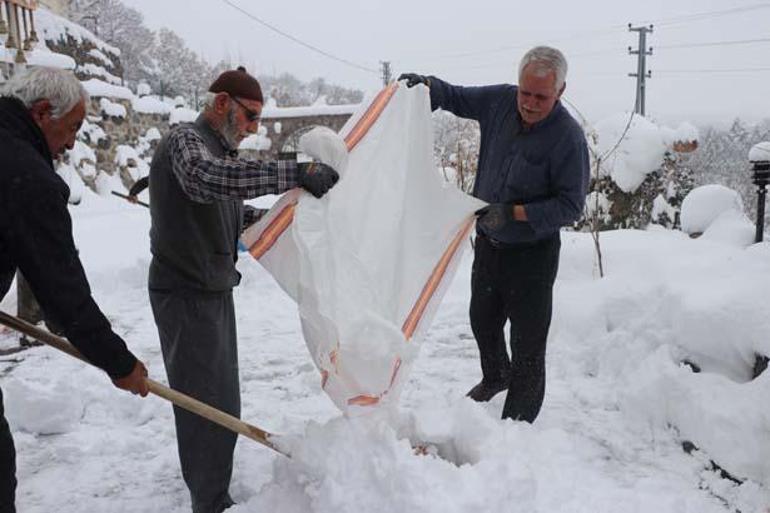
36, 237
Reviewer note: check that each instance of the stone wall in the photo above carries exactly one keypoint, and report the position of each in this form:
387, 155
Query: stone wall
80, 52
128, 130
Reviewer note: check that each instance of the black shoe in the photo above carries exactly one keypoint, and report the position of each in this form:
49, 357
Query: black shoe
483, 392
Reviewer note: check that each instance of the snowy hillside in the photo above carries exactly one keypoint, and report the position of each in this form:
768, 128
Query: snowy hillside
619, 402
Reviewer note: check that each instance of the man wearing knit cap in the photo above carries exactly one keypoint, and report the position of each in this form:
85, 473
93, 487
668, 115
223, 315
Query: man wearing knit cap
197, 187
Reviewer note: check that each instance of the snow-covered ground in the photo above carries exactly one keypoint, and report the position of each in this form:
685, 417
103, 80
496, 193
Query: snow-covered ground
618, 404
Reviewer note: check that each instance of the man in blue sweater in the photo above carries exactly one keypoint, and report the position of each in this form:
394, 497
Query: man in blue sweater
533, 171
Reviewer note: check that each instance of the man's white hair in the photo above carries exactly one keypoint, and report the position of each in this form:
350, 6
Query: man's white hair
546, 59
58, 86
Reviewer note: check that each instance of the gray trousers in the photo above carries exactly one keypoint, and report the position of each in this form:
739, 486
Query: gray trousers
199, 343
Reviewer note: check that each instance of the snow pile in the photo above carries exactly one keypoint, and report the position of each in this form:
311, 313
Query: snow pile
71, 177
182, 115
95, 70
143, 89
101, 89
105, 184
100, 56
717, 212
153, 134
111, 109
328, 473
619, 402
150, 105
668, 300
91, 132
126, 155
257, 142
660, 207
43, 410
80, 152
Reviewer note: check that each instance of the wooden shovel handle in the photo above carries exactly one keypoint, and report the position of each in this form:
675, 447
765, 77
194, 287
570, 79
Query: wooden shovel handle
183, 401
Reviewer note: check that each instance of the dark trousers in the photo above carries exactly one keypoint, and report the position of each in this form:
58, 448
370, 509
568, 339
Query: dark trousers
514, 283
7, 464
199, 344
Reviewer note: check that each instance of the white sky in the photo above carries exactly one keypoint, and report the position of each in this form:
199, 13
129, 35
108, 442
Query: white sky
481, 41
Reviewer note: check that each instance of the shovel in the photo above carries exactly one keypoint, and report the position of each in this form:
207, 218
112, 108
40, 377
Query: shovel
183, 401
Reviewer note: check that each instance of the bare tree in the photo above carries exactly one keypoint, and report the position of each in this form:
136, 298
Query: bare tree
456, 147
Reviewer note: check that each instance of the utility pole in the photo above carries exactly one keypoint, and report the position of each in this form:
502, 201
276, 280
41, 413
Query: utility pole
642, 74
387, 76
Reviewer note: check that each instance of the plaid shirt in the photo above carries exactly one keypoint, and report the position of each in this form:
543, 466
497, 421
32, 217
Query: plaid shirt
252, 214
205, 177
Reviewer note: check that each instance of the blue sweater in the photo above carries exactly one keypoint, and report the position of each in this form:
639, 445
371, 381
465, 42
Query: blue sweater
545, 168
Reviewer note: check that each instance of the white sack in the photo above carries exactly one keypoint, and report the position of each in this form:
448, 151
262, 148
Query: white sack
358, 260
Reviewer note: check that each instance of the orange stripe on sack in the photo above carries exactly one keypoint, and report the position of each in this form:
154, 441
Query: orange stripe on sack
363, 400
370, 116
396, 368
279, 225
274, 230
371, 400
435, 279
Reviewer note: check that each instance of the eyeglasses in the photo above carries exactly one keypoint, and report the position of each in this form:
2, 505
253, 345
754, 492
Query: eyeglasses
251, 115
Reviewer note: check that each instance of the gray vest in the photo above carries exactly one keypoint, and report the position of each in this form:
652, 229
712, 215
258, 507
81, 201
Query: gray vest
194, 245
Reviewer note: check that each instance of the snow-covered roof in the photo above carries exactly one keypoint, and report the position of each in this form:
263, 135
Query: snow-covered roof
271, 111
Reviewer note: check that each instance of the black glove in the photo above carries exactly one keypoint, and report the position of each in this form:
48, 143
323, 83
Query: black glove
412, 79
316, 178
494, 217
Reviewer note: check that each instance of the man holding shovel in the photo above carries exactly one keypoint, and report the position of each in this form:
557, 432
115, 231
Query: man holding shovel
41, 110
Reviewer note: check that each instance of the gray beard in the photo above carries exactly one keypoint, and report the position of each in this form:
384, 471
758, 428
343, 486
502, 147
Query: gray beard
229, 131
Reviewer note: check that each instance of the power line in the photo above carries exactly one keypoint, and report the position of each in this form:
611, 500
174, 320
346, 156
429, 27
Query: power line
298, 41
694, 17
708, 14
715, 43
676, 46
614, 52
715, 70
